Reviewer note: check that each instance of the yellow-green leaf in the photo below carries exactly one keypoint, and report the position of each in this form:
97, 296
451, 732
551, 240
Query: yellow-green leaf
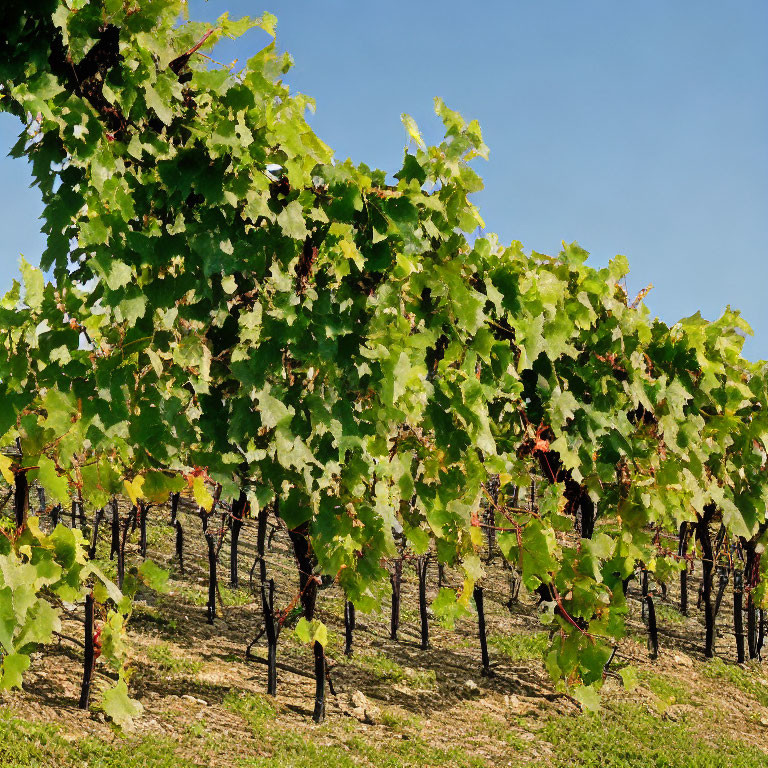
134, 488
201, 494
5, 469
413, 129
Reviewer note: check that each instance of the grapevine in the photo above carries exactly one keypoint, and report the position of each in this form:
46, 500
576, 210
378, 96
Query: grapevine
237, 316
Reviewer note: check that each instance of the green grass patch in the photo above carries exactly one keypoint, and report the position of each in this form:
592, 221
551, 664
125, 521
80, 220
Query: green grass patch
399, 721
288, 749
664, 689
253, 708
334, 646
411, 753
520, 647
149, 616
282, 747
498, 729
194, 595
666, 614
157, 536
745, 680
235, 597
31, 745
108, 567
170, 661
385, 668
629, 736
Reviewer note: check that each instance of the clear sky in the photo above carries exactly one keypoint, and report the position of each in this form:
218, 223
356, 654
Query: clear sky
634, 128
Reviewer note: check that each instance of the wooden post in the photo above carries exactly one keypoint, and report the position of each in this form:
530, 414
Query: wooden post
89, 660
21, 498
349, 626
396, 579
478, 594
422, 563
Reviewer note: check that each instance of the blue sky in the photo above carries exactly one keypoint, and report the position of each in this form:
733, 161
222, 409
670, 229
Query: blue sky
634, 128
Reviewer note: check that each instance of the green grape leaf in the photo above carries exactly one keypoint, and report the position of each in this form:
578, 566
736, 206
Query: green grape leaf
629, 677
118, 706
8, 620
33, 285
14, 666
311, 631
56, 485
153, 576
42, 621
291, 221
588, 697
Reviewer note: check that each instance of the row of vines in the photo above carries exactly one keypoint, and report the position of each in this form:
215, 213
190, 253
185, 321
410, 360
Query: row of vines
235, 317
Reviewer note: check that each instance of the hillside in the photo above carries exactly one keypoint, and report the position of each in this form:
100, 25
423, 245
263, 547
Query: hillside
394, 704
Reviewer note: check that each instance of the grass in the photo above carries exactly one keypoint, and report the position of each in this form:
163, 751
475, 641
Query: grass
150, 616
287, 748
32, 745
399, 721
666, 614
745, 680
197, 596
254, 709
334, 646
523, 647
498, 729
156, 536
661, 687
629, 736
198, 729
108, 567
235, 597
388, 670
168, 660
411, 753
620, 736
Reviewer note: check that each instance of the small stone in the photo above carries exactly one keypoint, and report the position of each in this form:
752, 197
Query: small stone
359, 700
471, 685
684, 661
360, 708
195, 700
518, 706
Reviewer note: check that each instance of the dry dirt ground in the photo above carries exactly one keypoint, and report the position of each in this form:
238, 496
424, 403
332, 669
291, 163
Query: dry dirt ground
395, 705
